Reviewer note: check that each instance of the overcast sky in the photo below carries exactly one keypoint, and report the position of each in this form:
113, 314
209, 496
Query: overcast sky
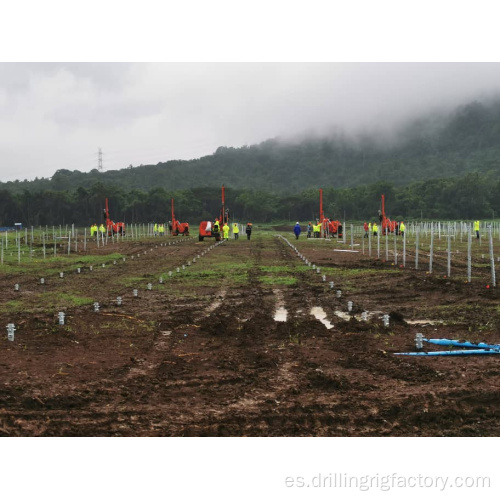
55, 115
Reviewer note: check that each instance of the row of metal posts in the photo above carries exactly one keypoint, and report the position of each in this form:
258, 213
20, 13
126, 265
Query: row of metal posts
458, 228
432, 228
414, 228
136, 231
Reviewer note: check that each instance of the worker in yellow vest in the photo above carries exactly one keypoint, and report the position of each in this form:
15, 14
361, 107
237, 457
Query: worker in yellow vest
476, 228
225, 229
375, 229
236, 230
102, 230
402, 228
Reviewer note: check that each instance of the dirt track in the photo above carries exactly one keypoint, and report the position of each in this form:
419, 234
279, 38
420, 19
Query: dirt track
202, 355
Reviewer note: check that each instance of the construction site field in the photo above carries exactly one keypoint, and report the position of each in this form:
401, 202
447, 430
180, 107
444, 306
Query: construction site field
246, 338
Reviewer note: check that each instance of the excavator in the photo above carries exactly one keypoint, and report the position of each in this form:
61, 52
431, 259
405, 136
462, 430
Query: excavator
113, 227
177, 227
208, 228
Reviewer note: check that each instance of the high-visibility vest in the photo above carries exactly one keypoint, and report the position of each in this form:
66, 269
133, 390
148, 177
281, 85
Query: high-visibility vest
375, 228
236, 229
402, 227
101, 228
476, 225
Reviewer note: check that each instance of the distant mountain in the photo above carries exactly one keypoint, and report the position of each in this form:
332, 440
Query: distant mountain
434, 146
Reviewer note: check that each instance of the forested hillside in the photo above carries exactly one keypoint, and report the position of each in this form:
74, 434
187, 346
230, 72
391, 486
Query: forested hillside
468, 140
434, 167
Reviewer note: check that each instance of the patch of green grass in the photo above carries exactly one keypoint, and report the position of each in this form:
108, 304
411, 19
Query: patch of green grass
278, 280
54, 265
231, 271
90, 259
49, 301
57, 299
303, 269
12, 306
274, 269
76, 299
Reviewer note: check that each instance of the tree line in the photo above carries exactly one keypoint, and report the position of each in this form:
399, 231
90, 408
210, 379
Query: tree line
468, 197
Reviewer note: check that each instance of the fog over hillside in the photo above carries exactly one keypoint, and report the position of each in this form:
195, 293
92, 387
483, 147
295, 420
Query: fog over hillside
57, 115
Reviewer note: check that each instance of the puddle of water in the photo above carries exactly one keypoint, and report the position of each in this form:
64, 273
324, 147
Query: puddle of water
343, 315
320, 315
422, 322
280, 314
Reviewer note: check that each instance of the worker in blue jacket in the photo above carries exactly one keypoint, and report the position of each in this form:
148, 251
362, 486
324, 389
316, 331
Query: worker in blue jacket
297, 230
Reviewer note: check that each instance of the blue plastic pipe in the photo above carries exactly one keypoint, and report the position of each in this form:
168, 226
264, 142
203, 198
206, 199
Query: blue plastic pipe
457, 343
450, 353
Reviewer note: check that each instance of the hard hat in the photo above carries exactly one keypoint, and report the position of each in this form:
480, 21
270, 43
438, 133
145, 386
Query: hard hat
297, 222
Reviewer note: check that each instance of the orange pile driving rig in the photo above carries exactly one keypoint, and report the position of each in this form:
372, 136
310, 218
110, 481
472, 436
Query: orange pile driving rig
209, 229
177, 227
113, 227
328, 227
388, 225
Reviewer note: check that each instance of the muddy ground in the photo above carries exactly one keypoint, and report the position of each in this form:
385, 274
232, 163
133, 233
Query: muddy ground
203, 355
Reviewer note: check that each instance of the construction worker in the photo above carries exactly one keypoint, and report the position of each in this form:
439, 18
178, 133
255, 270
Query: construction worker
92, 230
161, 230
326, 228
216, 226
365, 227
225, 229
102, 230
334, 228
309, 230
297, 230
402, 228
155, 229
476, 228
317, 230
249, 230
236, 230
374, 229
